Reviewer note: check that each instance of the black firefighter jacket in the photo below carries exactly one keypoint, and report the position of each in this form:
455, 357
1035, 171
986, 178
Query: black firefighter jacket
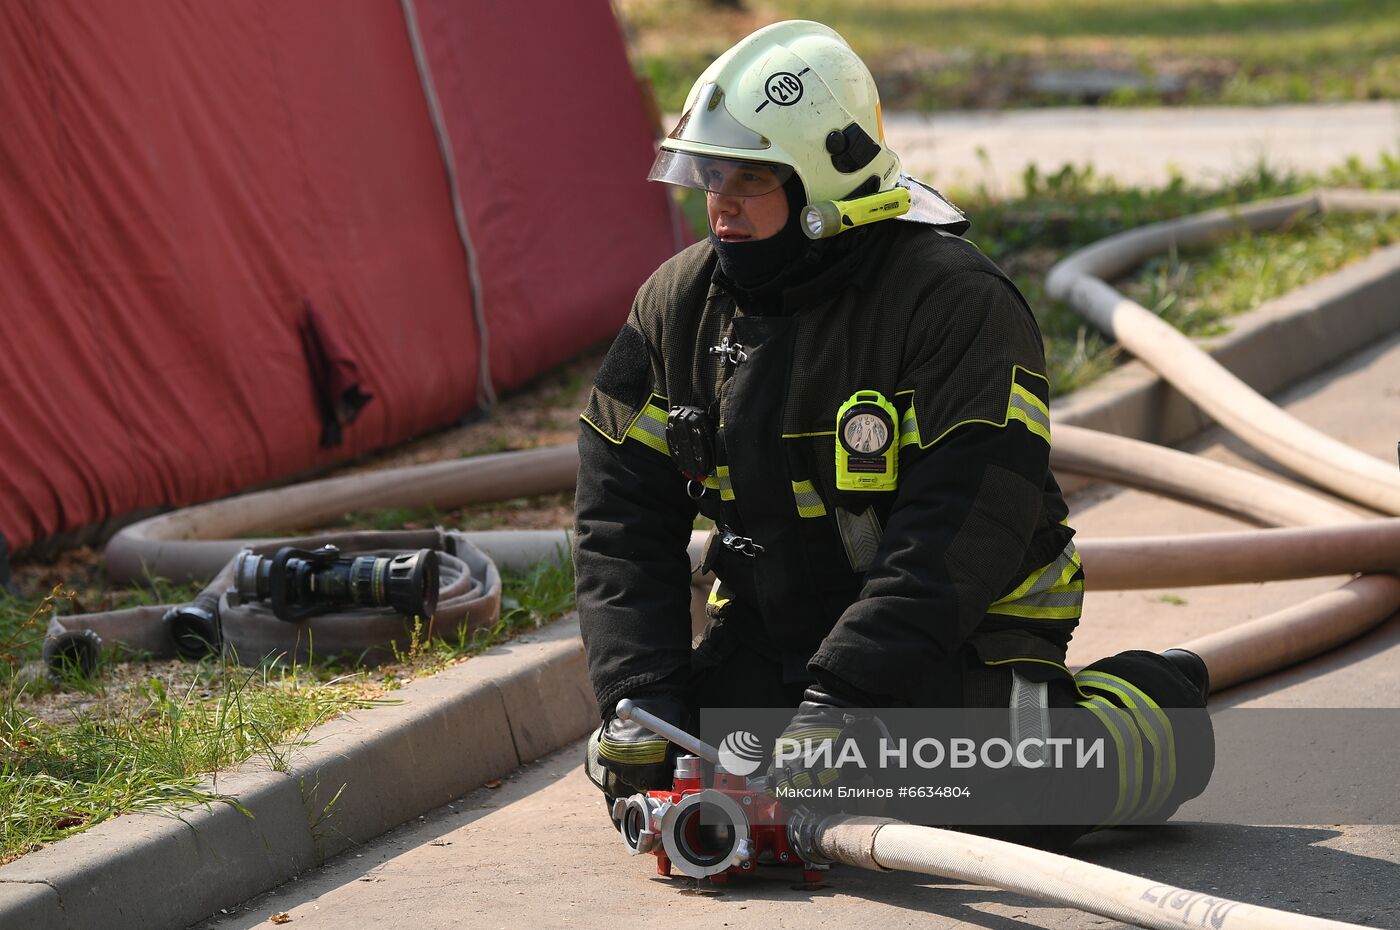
872, 588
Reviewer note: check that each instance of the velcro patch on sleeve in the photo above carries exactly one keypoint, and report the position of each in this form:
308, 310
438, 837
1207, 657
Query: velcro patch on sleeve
622, 387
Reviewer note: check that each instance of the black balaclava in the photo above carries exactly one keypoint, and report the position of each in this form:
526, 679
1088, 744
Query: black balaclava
751, 264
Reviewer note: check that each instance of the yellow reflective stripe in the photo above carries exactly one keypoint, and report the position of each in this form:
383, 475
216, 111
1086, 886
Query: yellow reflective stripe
664, 405
1113, 817
826, 776
1064, 565
1148, 713
647, 752
1157, 794
809, 502
1022, 406
908, 428
1052, 607
1048, 593
1026, 407
1132, 762
1129, 780
714, 600
649, 428
721, 482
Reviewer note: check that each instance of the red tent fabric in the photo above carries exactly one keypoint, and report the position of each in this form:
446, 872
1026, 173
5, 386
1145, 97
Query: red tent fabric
182, 181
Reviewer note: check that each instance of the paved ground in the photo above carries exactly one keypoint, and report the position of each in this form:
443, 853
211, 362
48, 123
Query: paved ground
538, 852
961, 150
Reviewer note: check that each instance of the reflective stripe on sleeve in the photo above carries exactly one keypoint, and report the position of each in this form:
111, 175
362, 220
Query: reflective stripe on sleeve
721, 482
1025, 404
1055, 592
909, 429
809, 502
650, 428
1030, 410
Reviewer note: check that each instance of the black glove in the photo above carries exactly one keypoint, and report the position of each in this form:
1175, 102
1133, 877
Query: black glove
631, 758
818, 731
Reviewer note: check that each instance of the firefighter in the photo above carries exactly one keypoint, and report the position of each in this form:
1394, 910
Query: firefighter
864, 417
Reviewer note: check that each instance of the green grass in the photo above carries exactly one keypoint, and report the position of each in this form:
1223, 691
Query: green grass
1059, 213
153, 731
1197, 290
934, 54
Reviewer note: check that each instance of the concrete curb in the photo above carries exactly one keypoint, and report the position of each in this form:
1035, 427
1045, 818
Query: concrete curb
531, 696
363, 775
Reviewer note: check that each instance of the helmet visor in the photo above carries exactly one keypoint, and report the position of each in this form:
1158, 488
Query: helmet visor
730, 176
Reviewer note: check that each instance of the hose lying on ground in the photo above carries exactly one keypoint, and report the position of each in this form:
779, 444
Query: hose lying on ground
1081, 280
193, 543
879, 844
1190, 478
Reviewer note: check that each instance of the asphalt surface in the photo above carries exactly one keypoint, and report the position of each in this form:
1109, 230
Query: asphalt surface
965, 150
537, 851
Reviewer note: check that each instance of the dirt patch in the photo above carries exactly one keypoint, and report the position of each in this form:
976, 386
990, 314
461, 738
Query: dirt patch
543, 412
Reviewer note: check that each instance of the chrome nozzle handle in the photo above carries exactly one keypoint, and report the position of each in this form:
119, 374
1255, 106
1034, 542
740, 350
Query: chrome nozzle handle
626, 710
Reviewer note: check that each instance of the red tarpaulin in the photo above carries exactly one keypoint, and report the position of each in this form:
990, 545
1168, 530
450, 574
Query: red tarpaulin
182, 181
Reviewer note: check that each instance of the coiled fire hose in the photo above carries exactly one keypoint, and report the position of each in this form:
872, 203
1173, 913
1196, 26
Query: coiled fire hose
197, 541
468, 596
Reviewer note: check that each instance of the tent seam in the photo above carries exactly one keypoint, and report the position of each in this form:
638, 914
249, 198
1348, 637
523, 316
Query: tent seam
485, 393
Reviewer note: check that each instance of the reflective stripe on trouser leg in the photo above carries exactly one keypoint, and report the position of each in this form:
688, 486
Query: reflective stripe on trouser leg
1127, 746
1154, 724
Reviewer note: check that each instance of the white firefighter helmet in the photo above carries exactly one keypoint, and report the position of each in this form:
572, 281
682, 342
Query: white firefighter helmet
790, 98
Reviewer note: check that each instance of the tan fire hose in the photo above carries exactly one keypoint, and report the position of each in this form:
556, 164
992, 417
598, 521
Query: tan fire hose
883, 845
1081, 279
